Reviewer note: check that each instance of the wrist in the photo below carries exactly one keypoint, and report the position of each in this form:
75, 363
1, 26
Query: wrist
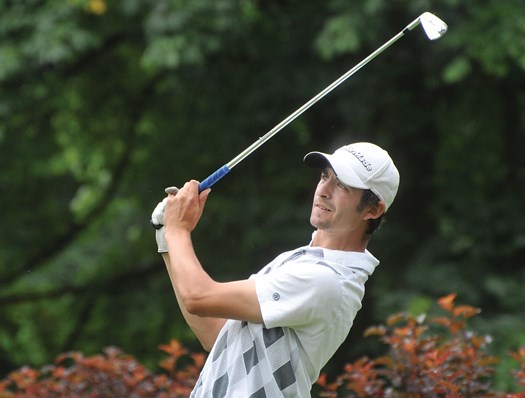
177, 239
176, 232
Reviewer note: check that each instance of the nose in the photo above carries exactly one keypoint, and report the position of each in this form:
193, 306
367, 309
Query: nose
325, 187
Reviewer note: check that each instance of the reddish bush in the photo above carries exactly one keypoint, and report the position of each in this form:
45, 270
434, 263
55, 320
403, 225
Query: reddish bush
111, 374
426, 357
519, 374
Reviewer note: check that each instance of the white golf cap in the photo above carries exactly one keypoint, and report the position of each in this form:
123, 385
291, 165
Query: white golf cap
361, 165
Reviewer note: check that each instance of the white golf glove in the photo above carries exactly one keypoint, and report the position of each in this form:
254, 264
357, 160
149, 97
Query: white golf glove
157, 220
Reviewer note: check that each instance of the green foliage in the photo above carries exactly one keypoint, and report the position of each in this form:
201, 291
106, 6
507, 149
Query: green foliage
105, 103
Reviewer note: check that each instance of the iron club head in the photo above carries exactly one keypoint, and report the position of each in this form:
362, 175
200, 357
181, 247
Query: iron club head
432, 25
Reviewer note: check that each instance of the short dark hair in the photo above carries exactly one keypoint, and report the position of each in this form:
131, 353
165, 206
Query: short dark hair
370, 199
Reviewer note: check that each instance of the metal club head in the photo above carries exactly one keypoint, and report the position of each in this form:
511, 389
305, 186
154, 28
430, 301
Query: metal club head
432, 25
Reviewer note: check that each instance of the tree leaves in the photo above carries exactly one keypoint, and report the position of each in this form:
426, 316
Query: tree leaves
106, 103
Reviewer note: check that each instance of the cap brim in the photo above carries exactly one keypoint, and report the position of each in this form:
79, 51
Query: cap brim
346, 174
316, 160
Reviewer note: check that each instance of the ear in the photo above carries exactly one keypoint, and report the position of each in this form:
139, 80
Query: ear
376, 211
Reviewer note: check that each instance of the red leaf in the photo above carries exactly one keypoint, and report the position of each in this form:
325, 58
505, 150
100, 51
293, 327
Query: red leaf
447, 302
396, 318
375, 331
465, 311
441, 320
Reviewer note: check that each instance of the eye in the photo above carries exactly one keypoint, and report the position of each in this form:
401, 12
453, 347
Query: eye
341, 185
324, 175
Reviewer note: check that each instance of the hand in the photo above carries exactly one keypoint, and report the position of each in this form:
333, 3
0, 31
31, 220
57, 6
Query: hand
157, 220
157, 217
184, 210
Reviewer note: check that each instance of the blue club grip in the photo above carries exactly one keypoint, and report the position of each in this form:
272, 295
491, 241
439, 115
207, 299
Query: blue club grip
212, 179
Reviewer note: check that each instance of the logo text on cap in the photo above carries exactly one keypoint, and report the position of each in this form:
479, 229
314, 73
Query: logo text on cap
359, 156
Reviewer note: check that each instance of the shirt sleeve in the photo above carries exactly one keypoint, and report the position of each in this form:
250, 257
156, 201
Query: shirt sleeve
298, 294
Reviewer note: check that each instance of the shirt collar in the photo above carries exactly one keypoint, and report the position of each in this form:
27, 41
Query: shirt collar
364, 260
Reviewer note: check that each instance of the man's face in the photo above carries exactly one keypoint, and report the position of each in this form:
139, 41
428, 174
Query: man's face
335, 206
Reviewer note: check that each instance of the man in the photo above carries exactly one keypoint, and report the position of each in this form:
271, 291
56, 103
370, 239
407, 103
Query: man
271, 334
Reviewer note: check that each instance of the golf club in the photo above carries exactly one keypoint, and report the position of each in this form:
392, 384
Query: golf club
434, 29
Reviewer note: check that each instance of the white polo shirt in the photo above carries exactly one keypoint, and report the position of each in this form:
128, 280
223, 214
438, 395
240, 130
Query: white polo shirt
309, 298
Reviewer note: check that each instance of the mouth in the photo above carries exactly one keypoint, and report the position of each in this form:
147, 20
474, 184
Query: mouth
321, 207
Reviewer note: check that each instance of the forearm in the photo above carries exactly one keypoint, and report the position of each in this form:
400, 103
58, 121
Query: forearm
193, 284
205, 328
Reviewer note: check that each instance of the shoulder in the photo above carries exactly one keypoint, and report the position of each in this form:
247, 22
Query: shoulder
303, 278
319, 272
299, 294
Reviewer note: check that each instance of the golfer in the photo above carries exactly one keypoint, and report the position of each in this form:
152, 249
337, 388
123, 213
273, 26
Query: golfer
271, 334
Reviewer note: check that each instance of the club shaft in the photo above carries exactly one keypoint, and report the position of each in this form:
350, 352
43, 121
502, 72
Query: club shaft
221, 172
308, 104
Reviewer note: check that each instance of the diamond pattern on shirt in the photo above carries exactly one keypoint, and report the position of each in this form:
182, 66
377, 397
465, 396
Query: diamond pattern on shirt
250, 359
284, 376
271, 335
222, 344
259, 394
220, 387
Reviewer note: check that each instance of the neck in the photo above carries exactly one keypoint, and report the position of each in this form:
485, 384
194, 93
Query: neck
326, 240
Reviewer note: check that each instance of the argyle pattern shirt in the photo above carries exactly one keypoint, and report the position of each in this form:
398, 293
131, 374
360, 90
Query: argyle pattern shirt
248, 358
283, 356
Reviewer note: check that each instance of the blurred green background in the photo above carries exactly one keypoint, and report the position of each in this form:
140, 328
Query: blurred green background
104, 103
